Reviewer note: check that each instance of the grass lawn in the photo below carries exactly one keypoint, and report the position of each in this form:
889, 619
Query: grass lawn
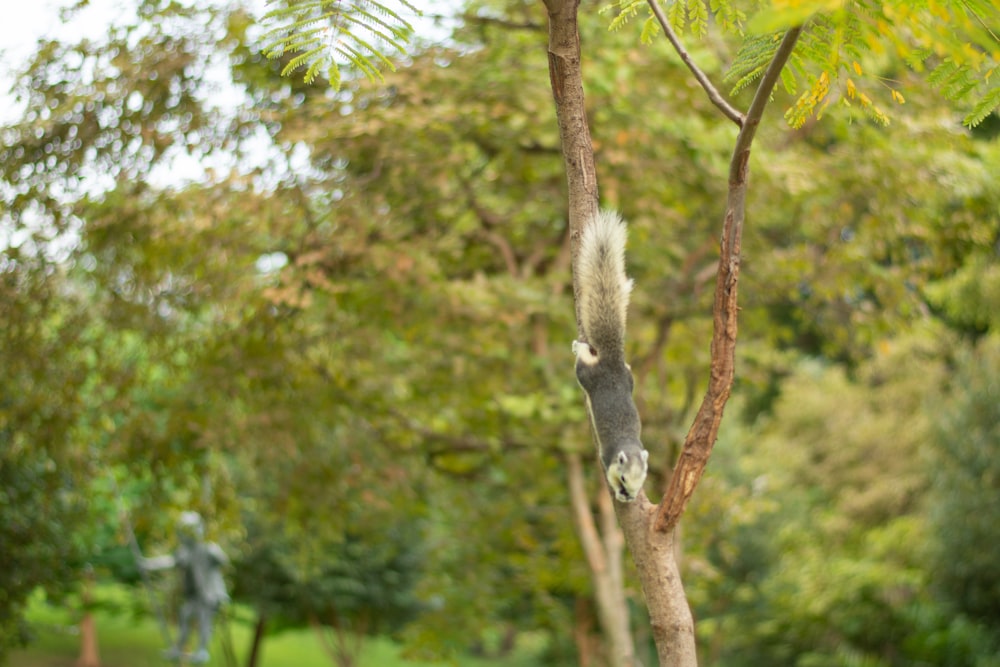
128, 642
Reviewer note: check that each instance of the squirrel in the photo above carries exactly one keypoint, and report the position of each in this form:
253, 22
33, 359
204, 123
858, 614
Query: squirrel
600, 359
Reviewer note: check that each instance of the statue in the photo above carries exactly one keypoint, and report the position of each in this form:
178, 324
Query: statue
202, 588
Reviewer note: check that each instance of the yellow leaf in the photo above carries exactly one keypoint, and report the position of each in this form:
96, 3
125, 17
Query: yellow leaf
898, 97
851, 90
857, 68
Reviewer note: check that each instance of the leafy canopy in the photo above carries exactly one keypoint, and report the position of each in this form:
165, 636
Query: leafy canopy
845, 51
326, 34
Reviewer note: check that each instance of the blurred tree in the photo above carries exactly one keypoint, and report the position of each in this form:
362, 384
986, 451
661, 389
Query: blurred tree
811, 548
364, 585
966, 492
42, 468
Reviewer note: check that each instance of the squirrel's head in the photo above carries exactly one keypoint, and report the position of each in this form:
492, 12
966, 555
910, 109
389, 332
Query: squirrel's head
627, 473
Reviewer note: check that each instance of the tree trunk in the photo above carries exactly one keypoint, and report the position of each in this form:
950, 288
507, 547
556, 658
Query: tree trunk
655, 556
583, 636
258, 640
566, 78
89, 654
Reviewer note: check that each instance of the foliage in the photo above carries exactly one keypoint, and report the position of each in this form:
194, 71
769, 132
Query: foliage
966, 491
232, 372
819, 558
848, 43
42, 469
849, 52
36, 513
323, 32
694, 16
348, 348
838, 555
364, 584
866, 241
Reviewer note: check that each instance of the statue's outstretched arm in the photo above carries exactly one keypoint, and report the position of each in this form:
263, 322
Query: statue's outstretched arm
157, 563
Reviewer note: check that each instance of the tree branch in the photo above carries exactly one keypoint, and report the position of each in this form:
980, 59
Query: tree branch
705, 429
713, 94
655, 557
566, 79
476, 19
589, 538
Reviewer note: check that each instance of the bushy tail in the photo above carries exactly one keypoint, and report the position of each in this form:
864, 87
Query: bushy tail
604, 287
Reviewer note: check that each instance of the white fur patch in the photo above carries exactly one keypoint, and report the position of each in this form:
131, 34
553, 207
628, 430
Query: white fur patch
585, 353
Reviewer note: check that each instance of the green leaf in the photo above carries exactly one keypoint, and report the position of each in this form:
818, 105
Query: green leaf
328, 34
774, 18
983, 108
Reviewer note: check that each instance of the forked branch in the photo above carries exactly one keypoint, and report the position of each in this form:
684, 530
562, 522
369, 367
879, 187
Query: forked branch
702, 435
714, 95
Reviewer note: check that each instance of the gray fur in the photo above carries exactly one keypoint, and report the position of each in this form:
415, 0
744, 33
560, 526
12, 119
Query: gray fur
600, 359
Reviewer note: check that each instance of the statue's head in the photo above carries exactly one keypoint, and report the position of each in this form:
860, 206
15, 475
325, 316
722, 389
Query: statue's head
190, 528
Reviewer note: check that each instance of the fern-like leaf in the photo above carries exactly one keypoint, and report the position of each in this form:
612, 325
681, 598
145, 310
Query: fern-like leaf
627, 10
650, 29
694, 16
984, 107
325, 35
751, 60
956, 42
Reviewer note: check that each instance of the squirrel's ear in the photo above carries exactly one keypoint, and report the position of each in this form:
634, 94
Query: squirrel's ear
645, 455
622, 458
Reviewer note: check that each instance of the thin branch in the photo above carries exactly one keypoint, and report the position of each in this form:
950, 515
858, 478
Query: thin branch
476, 19
714, 95
705, 429
762, 96
691, 282
590, 539
489, 221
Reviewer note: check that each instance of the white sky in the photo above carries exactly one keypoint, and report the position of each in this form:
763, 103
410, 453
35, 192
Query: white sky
25, 21
35, 19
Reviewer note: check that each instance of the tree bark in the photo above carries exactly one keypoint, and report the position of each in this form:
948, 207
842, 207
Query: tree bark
566, 79
703, 432
655, 555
